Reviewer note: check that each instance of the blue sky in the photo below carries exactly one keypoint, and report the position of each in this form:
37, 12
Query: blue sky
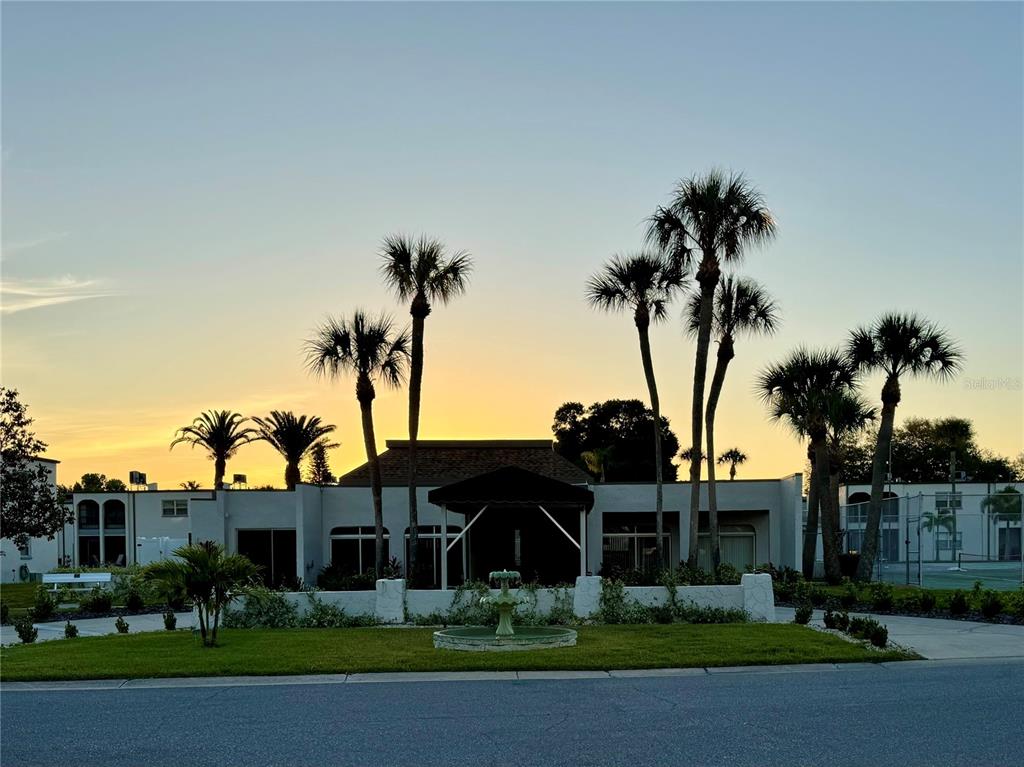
198, 184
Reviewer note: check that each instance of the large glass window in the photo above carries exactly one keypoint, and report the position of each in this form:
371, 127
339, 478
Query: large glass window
429, 559
88, 515
632, 546
113, 515
354, 549
273, 552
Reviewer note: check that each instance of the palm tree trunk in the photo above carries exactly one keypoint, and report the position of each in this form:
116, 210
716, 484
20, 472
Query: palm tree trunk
370, 440
828, 518
732, 471
700, 367
415, 387
811, 533
652, 389
219, 467
725, 354
291, 475
890, 398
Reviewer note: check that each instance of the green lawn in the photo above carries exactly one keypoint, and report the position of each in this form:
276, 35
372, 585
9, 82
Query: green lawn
322, 651
18, 595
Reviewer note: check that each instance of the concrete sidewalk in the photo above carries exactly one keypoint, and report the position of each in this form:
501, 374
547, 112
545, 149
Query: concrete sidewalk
938, 638
91, 627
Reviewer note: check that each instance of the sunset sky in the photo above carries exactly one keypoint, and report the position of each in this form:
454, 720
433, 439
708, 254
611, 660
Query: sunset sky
189, 188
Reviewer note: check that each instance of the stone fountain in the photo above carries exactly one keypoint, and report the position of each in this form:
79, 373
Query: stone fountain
505, 637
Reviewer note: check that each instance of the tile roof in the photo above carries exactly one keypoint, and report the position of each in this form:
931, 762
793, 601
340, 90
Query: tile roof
442, 462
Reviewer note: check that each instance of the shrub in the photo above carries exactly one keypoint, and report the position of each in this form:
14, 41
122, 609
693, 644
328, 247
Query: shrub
990, 604
133, 602
958, 603
691, 613
44, 605
726, 574
818, 596
909, 602
70, 630
97, 601
392, 569
1016, 605
850, 596
927, 600
881, 597
870, 630
170, 620
333, 578
121, 625
694, 576
837, 619
27, 633
803, 614
611, 607
320, 615
263, 609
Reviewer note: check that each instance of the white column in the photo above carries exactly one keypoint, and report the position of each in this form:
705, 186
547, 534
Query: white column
583, 540
444, 548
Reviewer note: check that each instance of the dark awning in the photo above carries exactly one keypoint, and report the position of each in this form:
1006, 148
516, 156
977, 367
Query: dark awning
512, 485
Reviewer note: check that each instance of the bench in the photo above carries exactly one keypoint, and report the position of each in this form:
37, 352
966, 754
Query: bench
76, 581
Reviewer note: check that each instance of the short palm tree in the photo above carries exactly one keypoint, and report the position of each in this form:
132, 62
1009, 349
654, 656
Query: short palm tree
422, 273
189, 484
597, 461
1004, 507
720, 216
208, 576
741, 307
687, 455
370, 349
897, 345
220, 433
799, 391
733, 457
933, 522
293, 437
644, 284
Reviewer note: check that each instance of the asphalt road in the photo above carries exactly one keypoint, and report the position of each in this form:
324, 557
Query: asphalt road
926, 713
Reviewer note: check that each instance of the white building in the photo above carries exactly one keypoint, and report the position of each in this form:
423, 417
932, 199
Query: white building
40, 554
504, 503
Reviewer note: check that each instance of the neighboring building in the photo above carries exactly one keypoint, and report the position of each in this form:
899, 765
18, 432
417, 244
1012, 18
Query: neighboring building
938, 521
497, 503
39, 555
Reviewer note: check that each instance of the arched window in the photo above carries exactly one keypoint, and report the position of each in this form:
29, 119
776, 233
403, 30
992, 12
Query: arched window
113, 514
88, 533
354, 549
88, 515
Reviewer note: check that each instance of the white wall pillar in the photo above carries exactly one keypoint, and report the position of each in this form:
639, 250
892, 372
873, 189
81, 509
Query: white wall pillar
390, 605
444, 547
586, 597
758, 597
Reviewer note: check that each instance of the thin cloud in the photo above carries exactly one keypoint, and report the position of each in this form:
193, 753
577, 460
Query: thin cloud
18, 246
23, 295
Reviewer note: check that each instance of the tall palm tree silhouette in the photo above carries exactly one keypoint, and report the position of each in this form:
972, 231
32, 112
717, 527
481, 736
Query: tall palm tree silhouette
220, 433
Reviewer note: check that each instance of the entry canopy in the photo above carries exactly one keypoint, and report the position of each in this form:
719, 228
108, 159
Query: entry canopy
513, 486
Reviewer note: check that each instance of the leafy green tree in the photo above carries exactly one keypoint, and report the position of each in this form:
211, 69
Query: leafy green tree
741, 307
319, 470
732, 457
711, 220
208, 576
371, 350
29, 506
422, 273
220, 433
293, 437
643, 284
897, 345
98, 483
800, 391
622, 429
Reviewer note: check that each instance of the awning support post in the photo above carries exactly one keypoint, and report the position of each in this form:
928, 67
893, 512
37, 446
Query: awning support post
555, 523
444, 555
465, 529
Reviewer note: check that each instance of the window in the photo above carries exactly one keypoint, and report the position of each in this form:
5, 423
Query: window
174, 508
429, 560
632, 547
26, 550
948, 501
354, 549
943, 541
89, 515
273, 552
113, 515
857, 514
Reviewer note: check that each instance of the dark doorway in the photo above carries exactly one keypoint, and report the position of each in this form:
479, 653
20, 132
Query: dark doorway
273, 551
524, 539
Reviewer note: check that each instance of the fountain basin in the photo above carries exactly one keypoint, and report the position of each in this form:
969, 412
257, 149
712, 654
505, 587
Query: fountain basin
483, 639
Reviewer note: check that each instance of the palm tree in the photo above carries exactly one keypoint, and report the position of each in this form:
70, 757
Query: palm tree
597, 460
292, 436
421, 273
687, 455
741, 307
734, 457
189, 484
370, 349
720, 215
643, 283
800, 391
847, 416
220, 433
897, 345
1004, 506
933, 522
208, 576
